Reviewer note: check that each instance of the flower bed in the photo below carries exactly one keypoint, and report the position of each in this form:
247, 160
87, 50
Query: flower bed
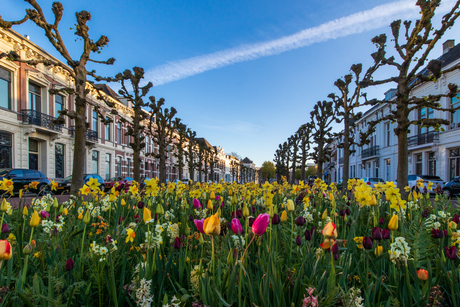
231, 245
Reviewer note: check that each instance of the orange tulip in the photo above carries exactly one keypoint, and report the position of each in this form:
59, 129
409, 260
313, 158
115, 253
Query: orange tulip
327, 243
5, 250
211, 225
422, 274
330, 231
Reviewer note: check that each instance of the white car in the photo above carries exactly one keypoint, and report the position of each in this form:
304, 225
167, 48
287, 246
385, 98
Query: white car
372, 181
425, 179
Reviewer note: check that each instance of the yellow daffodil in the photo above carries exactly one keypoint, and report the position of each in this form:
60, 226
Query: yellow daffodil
130, 235
85, 189
54, 185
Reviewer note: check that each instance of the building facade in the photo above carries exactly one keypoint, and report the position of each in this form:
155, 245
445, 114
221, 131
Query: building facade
430, 152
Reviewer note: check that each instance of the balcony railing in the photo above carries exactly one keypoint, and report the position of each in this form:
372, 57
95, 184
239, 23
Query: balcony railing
424, 138
371, 152
33, 117
91, 135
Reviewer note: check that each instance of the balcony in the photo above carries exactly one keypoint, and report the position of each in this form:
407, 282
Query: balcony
42, 121
91, 135
422, 139
371, 152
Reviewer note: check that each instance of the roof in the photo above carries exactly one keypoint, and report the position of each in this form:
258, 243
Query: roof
246, 160
107, 90
203, 140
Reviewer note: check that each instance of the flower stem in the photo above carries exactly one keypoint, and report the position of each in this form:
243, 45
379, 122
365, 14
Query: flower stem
81, 249
26, 261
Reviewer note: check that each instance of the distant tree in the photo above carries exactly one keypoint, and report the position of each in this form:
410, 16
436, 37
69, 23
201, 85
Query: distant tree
234, 170
311, 171
268, 170
413, 51
191, 152
294, 142
322, 116
304, 132
161, 129
76, 70
297, 174
181, 137
236, 155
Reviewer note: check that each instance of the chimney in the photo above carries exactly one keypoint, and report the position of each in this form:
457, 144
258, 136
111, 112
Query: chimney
448, 44
27, 36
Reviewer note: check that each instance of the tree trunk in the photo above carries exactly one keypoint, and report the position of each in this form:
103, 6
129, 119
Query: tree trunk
137, 165
303, 163
346, 155
403, 167
319, 166
79, 152
162, 166
294, 160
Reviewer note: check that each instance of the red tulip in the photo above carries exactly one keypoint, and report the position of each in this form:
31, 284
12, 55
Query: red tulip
69, 264
5, 250
236, 227
199, 224
422, 274
260, 224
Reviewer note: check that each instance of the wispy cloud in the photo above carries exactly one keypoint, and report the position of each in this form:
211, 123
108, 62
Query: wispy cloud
236, 127
352, 24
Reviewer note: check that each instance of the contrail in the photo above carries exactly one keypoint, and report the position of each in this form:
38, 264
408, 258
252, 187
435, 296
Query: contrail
352, 24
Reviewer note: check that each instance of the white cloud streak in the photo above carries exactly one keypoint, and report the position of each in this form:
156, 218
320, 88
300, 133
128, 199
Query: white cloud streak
356, 23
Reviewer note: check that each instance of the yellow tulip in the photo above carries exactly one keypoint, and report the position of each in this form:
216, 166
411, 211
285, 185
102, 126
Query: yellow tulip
212, 196
324, 215
4, 206
25, 211
290, 205
245, 210
147, 215
123, 202
330, 231
452, 225
35, 219
373, 201
80, 216
393, 224
378, 250
65, 212
20, 193
209, 205
211, 225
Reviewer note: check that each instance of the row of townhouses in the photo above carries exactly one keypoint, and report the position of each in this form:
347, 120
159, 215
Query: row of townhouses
30, 140
430, 152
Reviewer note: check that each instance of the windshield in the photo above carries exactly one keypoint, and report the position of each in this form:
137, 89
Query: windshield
68, 177
4, 171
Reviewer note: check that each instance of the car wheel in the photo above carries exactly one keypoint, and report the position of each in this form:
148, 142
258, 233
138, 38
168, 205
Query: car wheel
44, 190
446, 193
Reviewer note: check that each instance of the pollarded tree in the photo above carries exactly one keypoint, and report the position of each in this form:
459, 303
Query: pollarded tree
76, 69
322, 116
161, 128
294, 142
413, 51
234, 170
191, 152
181, 138
304, 132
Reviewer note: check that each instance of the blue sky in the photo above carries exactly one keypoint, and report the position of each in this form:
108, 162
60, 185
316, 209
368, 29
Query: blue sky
243, 74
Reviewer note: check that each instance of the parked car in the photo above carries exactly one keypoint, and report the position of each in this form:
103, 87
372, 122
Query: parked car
452, 188
311, 180
372, 180
64, 184
425, 179
22, 177
111, 182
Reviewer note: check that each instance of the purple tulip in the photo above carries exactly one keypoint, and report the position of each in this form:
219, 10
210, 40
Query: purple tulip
367, 243
381, 221
137, 218
308, 235
199, 225
276, 219
196, 203
386, 234
342, 212
298, 240
190, 217
44, 214
300, 221
177, 243
236, 227
335, 251
451, 252
347, 211
140, 204
377, 233
251, 221
217, 197
260, 224
253, 210
69, 264
5, 228
239, 213
456, 218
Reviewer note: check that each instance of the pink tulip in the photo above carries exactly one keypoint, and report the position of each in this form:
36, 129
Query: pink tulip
236, 227
260, 224
196, 203
199, 224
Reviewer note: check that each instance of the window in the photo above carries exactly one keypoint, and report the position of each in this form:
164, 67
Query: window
58, 104
388, 129
454, 163
95, 121
418, 164
95, 162
108, 166
35, 97
59, 160
425, 113
33, 154
128, 139
455, 120
5, 89
432, 164
119, 166
119, 133
128, 165
108, 129
5, 149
